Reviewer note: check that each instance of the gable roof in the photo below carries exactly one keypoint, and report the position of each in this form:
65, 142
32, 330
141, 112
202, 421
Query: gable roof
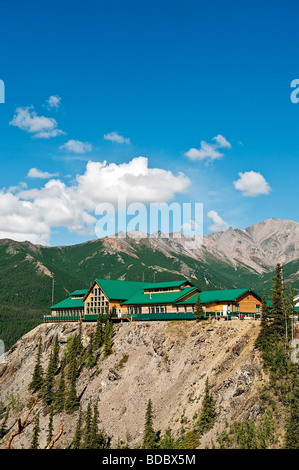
119, 290
140, 298
223, 295
68, 303
78, 292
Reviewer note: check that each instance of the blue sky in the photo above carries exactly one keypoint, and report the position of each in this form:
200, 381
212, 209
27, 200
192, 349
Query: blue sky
134, 86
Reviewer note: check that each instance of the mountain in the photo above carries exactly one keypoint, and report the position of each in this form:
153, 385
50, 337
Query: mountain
234, 258
167, 362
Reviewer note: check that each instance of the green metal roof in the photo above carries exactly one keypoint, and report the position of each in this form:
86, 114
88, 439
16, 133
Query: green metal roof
224, 295
79, 292
158, 285
68, 303
139, 298
121, 290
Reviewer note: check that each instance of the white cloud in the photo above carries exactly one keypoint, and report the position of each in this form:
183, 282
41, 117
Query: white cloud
208, 151
252, 184
222, 142
54, 101
27, 120
35, 173
76, 146
30, 214
135, 180
115, 137
218, 224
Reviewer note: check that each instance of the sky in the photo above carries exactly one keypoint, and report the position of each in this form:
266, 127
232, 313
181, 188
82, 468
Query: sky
187, 102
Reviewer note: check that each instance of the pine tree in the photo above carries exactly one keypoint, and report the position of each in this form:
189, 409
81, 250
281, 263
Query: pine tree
199, 311
3, 427
48, 391
262, 339
99, 336
72, 402
60, 393
50, 426
150, 437
108, 338
87, 435
36, 432
37, 377
76, 442
291, 440
278, 303
207, 416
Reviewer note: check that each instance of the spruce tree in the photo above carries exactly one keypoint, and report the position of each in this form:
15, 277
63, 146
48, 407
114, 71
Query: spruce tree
150, 437
99, 336
207, 416
72, 402
278, 303
37, 377
36, 432
3, 427
108, 338
199, 311
60, 393
87, 434
76, 442
50, 426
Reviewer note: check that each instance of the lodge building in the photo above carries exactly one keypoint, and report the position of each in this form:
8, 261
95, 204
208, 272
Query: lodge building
153, 301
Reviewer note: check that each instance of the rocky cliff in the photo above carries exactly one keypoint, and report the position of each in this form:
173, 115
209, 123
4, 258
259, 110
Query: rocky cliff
165, 361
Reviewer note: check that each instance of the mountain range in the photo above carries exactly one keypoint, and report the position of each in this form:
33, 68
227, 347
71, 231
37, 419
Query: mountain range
32, 276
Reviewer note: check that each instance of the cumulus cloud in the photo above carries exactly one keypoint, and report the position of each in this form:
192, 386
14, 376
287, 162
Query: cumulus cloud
30, 214
208, 151
115, 137
42, 127
252, 184
54, 102
35, 173
218, 224
104, 182
76, 146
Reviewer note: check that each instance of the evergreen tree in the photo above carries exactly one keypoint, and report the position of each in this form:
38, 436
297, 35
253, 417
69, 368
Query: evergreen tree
263, 338
76, 442
60, 393
79, 339
48, 391
168, 441
99, 334
291, 440
89, 359
50, 426
150, 437
37, 377
199, 311
71, 401
108, 338
87, 435
278, 303
36, 432
207, 416
3, 427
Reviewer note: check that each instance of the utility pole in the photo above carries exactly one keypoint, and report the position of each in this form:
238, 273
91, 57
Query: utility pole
53, 282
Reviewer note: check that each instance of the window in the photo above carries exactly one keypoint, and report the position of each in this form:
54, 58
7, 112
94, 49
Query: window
237, 308
258, 308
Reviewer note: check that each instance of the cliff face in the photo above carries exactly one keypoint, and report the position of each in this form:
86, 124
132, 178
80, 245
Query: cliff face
165, 361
